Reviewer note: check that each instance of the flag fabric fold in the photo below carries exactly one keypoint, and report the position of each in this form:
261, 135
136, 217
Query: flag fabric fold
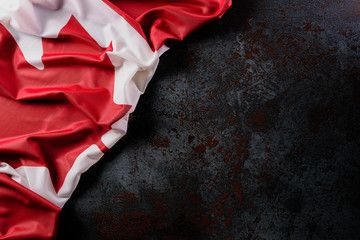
71, 73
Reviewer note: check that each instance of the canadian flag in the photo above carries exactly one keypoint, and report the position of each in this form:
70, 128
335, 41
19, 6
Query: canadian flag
71, 72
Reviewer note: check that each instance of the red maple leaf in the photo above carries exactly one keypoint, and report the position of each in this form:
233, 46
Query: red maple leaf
48, 117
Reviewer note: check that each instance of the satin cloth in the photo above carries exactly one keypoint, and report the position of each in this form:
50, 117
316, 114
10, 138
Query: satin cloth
71, 72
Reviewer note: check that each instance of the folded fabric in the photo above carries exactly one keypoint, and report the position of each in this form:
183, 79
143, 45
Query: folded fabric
71, 72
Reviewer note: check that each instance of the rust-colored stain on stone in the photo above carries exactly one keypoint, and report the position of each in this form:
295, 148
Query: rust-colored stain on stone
258, 118
209, 144
159, 142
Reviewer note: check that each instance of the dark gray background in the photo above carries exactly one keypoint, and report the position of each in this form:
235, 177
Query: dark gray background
248, 130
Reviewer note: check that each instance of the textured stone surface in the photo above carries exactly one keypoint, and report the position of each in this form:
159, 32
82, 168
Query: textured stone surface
249, 130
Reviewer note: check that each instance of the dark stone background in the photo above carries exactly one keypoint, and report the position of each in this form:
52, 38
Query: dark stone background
249, 130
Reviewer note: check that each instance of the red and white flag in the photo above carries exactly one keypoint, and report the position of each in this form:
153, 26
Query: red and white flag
71, 72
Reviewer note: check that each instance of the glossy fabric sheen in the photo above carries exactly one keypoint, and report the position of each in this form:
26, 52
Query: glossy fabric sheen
24, 214
49, 117
163, 20
60, 113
